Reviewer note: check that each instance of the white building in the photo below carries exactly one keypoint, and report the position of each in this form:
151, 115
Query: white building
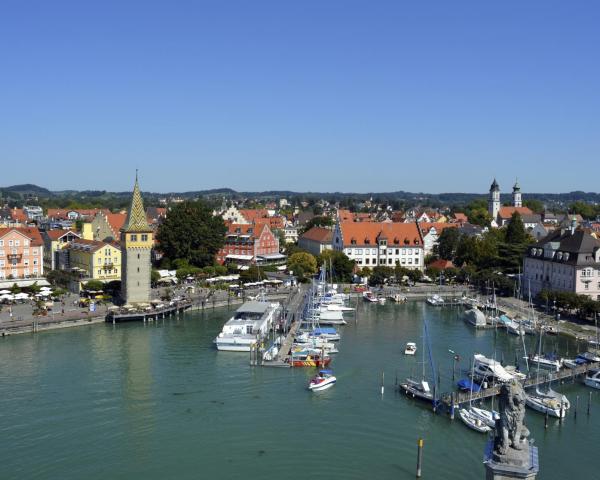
374, 243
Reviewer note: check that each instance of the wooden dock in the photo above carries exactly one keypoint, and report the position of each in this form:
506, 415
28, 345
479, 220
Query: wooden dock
547, 377
147, 315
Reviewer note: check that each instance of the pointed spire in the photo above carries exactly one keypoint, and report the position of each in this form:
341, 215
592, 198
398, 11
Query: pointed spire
495, 187
516, 187
136, 215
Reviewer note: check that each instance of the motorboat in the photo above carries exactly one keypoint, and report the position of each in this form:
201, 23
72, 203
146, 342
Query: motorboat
592, 379
381, 300
410, 349
435, 300
475, 317
316, 344
335, 307
589, 357
547, 361
248, 325
328, 333
417, 389
473, 421
326, 317
309, 358
572, 363
396, 297
322, 381
369, 296
487, 369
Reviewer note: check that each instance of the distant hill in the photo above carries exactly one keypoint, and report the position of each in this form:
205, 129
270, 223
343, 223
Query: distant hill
27, 189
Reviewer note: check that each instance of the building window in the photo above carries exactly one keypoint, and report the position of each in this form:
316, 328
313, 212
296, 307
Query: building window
10, 243
133, 238
1, 243
99, 272
144, 237
138, 256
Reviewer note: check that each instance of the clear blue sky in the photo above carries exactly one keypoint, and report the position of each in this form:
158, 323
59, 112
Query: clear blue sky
316, 95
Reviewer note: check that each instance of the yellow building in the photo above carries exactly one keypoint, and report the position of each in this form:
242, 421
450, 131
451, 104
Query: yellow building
55, 240
95, 260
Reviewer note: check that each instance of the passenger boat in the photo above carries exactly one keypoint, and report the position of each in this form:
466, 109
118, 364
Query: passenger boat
473, 421
410, 349
322, 381
309, 358
592, 378
249, 324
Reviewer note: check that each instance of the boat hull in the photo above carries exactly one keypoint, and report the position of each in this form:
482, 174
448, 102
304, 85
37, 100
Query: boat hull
310, 363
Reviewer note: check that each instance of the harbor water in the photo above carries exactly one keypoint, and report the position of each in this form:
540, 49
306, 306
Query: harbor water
158, 401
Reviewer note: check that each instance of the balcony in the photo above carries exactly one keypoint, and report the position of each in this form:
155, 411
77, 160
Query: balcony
14, 256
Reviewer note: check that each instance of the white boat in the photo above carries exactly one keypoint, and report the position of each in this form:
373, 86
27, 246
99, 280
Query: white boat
515, 328
369, 296
327, 333
486, 416
545, 405
322, 381
547, 362
396, 297
410, 349
335, 307
475, 317
570, 363
592, 379
435, 300
473, 421
487, 369
381, 300
249, 324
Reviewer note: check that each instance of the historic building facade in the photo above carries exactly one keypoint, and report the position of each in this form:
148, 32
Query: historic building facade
21, 253
136, 247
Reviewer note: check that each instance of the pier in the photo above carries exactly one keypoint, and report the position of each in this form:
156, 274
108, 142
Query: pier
147, 315
547, 378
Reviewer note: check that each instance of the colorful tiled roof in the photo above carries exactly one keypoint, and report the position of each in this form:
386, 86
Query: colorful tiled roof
136, 216
368, 233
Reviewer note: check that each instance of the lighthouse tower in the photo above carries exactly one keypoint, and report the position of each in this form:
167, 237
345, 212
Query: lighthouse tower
136, 245
494, 200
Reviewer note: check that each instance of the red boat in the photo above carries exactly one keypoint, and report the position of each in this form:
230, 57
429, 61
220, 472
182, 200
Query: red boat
309, 359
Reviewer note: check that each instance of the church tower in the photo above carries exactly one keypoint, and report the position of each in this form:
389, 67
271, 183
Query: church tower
517, 202
494, 200
136, 244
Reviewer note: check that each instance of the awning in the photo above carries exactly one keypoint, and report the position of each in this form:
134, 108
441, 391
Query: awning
247, 258
272, 256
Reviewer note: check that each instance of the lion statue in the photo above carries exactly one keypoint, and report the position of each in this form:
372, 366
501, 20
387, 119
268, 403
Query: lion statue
510, 431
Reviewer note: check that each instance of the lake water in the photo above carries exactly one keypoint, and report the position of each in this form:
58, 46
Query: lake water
158, 401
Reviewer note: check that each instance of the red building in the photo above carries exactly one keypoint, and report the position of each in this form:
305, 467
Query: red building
249, 243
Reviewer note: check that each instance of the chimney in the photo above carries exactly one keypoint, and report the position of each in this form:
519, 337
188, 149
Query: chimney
573, 225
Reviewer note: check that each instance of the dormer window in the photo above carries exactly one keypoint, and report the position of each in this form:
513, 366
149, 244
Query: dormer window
353, 241
406, 241
559, 256
396, 240
566, 256
367, 241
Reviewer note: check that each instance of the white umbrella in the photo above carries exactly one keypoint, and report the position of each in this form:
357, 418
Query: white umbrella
6, 296
21, 295
4, 292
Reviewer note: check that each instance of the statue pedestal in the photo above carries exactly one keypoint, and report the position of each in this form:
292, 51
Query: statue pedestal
522, 464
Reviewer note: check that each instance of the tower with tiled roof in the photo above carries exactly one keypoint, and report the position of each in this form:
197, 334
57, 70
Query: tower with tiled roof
494, 200
136, 246
517, 200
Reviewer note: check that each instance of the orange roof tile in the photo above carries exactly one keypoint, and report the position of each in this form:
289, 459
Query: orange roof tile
318, 234
57, 233
507, 212
439, 226
32, 233
367, 233
116, 221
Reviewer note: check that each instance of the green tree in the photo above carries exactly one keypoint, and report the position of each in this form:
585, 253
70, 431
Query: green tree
94, 285
536, 206
318, 221
447, 243
515, 231
154, 277
586, 210
380, 275
192, 233
302, 264
253, 274
342, 266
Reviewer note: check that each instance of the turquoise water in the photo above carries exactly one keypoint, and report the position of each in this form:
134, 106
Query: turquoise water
157, 401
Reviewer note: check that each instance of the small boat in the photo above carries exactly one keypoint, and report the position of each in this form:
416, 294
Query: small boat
592, 379
381, 300
417, 389
467, 385
475, 317
486, 416
550, 330
309, 358
435, 300
547, 361
488, 369
589, 357
322, 381
472, 421
543, 404
369, 296
515, 328
396, 297
572, 363
328, 333
410, 349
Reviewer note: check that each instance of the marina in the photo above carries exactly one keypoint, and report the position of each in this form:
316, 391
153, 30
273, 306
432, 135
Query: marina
166, 387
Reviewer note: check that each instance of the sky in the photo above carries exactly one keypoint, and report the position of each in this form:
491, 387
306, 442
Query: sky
311, 95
